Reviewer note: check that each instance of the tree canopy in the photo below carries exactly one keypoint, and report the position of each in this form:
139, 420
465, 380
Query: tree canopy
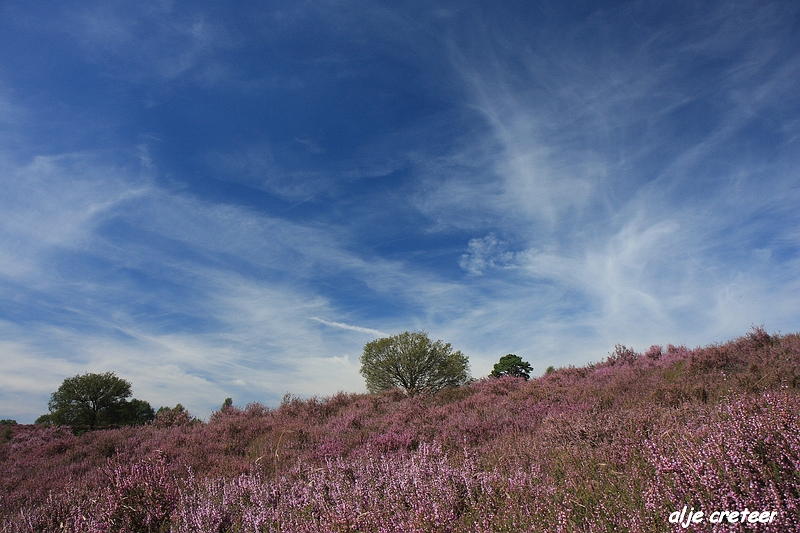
96, 400
512, 365
173, 416
413, 363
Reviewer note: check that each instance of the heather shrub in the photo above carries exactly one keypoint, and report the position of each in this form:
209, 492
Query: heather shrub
746, 456
614, 446
175, 416
139, 497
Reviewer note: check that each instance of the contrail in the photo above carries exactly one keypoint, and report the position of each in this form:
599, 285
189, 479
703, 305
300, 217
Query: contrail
348, 326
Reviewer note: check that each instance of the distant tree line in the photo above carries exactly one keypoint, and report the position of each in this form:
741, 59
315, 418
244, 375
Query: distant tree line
94, 401
412, 362
409, 361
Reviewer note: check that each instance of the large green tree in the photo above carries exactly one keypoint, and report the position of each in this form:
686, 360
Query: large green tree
512, 365
96, 400
413, 363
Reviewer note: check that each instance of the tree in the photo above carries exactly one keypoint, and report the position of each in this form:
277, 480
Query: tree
172, 416
136, 413
44, 420
512, 365
95, 400
413, 363
7, 422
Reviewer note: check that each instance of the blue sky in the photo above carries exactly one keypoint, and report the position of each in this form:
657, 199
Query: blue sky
230, 200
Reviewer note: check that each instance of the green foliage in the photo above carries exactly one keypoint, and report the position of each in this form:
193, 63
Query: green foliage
44, 420
8, 422
173, 416
413, 363
512, 365
136, 413
227, 404
95, 400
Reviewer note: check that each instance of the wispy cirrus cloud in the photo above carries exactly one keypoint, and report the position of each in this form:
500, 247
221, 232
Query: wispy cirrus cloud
154, 41
162, 296
220, 203
53, 202
192, 301
349, 327
605, 189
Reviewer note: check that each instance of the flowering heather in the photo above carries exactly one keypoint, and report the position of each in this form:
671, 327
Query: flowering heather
620, 445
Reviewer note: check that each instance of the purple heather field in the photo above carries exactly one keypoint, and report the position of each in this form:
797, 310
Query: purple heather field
620, 445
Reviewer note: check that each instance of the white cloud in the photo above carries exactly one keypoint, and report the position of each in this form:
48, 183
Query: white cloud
342, 325
239, 325
487, 253
56, 202
142, 43
592, 209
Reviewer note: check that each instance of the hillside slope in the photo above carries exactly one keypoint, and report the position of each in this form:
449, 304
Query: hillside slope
615, 446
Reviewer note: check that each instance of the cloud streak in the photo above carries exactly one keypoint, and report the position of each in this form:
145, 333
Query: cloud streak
348, 327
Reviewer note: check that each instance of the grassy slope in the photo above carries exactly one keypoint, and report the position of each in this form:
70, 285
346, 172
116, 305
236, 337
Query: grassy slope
619, 444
